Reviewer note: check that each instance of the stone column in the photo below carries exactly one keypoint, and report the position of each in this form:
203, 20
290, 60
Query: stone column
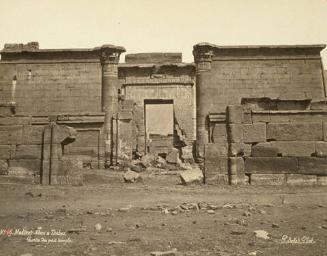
202, 59
109, 58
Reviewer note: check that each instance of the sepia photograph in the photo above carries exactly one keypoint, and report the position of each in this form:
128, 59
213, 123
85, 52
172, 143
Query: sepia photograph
163, 128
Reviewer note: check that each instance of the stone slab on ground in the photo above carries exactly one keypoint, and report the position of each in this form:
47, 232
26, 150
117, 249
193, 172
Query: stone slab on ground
131, 177
194, 176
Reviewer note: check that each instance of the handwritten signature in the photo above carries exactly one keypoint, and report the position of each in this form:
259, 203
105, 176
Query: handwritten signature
297, 240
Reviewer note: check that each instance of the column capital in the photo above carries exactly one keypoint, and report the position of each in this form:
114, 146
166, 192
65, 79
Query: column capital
203, 52
109, 54
203, 56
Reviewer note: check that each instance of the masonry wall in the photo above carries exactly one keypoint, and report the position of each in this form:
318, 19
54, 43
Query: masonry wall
283, 78
271, 142
52, 87
24, 148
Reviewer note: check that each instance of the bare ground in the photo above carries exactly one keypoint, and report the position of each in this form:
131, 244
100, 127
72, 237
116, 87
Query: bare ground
137, 219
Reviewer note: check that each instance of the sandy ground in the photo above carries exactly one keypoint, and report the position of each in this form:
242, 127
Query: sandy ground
160, 215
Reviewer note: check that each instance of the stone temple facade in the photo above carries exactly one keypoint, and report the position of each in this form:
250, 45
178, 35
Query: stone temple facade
246, 114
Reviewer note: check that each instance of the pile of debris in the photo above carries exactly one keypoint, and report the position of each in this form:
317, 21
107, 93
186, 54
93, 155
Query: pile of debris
190, 172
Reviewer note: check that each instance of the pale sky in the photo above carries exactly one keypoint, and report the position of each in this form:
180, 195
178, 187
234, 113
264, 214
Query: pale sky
167, 25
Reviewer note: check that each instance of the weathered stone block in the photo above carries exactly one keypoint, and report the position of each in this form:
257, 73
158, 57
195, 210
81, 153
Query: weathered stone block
219, 133
321, 148
265, 149
271, 165
214, 150
240, 149
260, 118
131, 177
32, 134
236, 165
254, 132
7, 151
247, 118
191, 176
235, 133
31, 164
173, 156
11, 134
214, 168
294, 131
235, 114
268, 179
217, 165
294, 148
28, 152
298, 179
313, 165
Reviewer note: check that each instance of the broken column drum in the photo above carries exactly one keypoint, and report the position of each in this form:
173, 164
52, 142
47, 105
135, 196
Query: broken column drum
109, 57
203, 59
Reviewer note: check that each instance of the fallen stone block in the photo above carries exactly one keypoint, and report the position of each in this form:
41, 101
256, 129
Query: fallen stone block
173, 156
268, 179
147, 160
262, 234
322, 180
187, 154
191, 176
298, 179
131, 177
254, 132
312, 165
271, 165
4, 167
303, 131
